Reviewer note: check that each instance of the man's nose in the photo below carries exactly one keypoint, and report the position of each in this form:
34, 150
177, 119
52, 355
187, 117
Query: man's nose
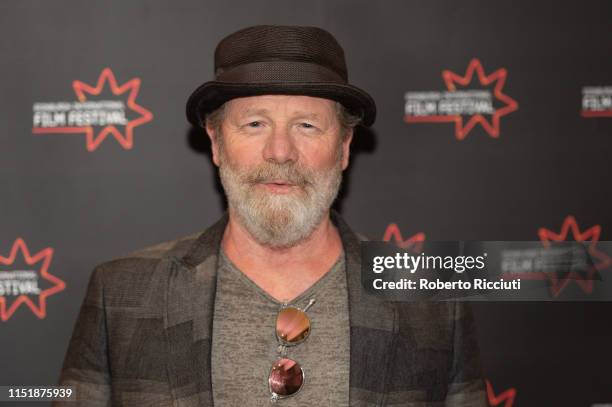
280, 146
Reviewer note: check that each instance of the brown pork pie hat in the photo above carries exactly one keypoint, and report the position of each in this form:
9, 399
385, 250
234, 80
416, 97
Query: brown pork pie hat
287, 60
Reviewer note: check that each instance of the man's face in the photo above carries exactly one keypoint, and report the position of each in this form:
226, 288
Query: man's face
280, 159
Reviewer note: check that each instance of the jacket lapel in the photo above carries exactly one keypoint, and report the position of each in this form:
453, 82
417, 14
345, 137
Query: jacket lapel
188, 319
374, 324
189, 305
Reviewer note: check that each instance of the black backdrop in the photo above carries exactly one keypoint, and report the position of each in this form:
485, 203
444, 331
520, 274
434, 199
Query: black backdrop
546, 68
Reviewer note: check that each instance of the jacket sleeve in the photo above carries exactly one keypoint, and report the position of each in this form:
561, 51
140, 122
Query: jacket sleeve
86, 363
466, 385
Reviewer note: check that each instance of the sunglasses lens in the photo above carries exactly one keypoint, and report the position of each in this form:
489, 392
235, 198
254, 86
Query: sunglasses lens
286, 377
292, 325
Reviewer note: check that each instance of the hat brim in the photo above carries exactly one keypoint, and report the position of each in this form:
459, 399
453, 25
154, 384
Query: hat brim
213, 94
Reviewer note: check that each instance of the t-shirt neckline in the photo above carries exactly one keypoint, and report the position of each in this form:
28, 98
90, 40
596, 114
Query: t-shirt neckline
305, 294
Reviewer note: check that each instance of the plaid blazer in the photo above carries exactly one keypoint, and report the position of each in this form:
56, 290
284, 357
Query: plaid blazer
143, 335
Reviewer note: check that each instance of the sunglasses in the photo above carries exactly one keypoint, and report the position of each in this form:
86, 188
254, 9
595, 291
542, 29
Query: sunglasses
286, 376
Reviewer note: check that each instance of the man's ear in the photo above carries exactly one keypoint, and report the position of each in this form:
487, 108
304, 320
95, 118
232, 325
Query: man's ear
214, 145
346, 143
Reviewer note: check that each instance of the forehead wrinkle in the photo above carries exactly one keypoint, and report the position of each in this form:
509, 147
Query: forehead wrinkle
298, 113
264, 111
253, 110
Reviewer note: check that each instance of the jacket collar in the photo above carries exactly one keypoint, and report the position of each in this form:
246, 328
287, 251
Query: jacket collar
189, 304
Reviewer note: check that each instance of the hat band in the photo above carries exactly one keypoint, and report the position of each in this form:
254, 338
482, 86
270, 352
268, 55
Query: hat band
278, 71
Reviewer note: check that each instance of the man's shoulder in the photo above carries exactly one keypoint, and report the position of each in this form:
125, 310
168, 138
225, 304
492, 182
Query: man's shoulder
145, 260
177, 247
362, 237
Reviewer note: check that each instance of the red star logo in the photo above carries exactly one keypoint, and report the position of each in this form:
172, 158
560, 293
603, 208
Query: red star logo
131, 88
498, 78
506, 397
44, 256
590, 235
453, 81
413, 243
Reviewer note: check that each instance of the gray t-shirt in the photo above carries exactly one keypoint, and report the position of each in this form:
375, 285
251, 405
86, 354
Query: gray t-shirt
244, 343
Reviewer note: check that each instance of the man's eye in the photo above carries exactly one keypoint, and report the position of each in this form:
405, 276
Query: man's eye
254, 124
307, 125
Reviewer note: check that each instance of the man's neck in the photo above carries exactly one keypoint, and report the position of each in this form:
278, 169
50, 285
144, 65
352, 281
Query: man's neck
273, 268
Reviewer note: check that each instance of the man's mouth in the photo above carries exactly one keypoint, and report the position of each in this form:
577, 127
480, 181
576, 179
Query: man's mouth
278, 186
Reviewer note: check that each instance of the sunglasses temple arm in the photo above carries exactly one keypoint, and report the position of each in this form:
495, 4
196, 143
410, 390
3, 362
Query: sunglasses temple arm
312, 301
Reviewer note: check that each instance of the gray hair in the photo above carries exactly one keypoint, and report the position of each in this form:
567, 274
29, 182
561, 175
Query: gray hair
347, 119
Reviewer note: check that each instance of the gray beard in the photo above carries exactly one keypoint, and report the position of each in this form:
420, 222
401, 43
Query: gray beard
279, 220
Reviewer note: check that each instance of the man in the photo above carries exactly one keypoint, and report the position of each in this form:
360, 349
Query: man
266, 305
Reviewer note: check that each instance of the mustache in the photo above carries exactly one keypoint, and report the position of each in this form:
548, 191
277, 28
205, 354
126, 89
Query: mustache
288, 172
